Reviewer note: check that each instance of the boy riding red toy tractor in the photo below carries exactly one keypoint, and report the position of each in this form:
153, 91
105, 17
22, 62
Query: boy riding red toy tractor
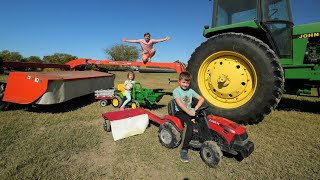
212, 134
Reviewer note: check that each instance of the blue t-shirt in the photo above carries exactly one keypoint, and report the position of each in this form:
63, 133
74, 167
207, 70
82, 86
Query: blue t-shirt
185, 96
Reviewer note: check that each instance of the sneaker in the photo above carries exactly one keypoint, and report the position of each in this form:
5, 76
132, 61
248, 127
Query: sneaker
121, 108
184, 156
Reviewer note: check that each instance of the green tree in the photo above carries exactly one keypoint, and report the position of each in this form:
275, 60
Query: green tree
59, 58
123, 52
35, 59
11, 56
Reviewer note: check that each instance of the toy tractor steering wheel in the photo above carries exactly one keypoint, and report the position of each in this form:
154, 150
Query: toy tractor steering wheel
201, 110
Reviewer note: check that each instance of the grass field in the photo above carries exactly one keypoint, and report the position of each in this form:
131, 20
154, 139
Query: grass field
67, 141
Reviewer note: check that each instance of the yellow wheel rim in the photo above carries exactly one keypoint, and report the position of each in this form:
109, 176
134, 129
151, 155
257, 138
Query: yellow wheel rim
133, 105
227, 79
115, 102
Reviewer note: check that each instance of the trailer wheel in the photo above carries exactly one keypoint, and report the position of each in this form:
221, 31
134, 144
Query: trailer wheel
116, 101
169, 136
106, 125
135, 104
3, 105
238, 75
103, 103
2, 89
211, 153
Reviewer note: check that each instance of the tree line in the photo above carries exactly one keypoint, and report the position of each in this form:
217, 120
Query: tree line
116, 52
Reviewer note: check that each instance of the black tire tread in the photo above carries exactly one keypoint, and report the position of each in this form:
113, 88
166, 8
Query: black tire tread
278, 85
218, 155
174, 132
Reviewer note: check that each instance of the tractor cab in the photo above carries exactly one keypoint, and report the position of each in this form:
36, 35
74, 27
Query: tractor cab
266, 18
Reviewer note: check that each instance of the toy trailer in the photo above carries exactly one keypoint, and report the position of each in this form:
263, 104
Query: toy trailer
45, 88
105, 96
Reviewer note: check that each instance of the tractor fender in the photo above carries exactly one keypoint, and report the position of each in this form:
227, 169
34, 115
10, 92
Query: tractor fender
175, 121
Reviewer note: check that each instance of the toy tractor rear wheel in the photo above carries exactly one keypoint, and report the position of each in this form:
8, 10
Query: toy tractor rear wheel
238, 75
106, 125
169, 136
116, 101
103, 103
211, 153
135, 104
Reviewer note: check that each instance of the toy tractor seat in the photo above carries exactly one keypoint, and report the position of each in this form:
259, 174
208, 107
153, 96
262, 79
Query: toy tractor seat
172, 105
121, 89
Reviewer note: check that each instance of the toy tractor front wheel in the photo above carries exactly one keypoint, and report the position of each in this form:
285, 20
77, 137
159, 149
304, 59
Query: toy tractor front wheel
135, 104
169, 136
116, 101
106, 125
211, 153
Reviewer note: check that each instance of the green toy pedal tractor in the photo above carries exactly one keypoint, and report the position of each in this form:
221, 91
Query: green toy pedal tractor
140, 96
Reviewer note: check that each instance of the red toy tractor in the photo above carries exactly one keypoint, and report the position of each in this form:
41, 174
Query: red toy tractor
211, 134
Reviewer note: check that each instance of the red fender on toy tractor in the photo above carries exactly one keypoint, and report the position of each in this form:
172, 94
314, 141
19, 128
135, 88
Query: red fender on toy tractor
175, 121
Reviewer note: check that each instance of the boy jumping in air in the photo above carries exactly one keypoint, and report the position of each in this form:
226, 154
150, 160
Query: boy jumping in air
147, 46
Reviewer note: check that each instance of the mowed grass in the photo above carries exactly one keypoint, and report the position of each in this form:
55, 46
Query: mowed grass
67, 141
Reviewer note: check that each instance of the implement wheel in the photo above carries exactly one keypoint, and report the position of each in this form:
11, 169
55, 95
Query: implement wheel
106, 125
238, 75
3, 105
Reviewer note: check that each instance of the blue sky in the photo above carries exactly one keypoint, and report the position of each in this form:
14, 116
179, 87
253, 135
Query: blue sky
85, 27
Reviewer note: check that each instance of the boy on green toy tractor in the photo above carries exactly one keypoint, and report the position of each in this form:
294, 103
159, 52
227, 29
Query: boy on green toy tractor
140, 96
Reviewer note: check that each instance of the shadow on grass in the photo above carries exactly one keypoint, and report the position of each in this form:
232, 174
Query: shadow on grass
70, 105
152, 107
287, 104
169, 93
237, 157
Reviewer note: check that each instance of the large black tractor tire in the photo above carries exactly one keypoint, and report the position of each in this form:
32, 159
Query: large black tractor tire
169, 136
211, 153
238, 75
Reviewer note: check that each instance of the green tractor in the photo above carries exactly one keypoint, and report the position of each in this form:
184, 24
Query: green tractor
139, 96
252, 56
